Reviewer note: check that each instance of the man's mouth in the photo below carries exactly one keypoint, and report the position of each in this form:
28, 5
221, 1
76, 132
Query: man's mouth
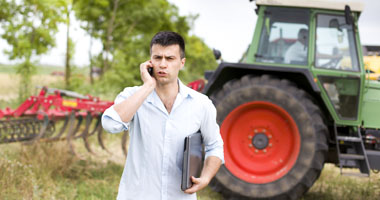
161, 73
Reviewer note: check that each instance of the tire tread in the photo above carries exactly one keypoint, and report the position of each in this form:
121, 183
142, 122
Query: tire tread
313, 111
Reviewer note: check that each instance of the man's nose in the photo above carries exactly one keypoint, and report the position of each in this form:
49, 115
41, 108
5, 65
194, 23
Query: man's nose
163, 63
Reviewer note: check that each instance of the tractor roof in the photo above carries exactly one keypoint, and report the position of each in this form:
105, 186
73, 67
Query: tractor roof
323, 4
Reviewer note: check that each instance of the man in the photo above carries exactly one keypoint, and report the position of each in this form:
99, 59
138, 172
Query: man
297, 52
159, 115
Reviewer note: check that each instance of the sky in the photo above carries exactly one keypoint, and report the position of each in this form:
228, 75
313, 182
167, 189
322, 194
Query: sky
221, 24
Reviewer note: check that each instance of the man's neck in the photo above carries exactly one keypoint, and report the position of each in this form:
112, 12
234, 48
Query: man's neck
169, 89
168, 94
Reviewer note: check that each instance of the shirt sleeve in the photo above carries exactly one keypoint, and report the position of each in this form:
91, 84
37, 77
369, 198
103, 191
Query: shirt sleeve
111, 120
211, 133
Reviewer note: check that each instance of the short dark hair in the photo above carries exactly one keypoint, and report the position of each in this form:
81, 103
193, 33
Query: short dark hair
167, 38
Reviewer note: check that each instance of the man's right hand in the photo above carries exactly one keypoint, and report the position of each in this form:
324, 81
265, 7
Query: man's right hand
128, 107
145, 76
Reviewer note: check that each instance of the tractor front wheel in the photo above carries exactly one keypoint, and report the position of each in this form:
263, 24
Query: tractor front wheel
275, 139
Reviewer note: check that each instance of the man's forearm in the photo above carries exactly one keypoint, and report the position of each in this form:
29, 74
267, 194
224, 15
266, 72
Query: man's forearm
211, 167
127, 108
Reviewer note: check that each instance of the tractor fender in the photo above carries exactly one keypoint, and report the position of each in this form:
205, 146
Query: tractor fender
228, 71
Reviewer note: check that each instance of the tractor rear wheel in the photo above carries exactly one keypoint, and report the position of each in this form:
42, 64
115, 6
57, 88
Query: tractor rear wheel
274, 139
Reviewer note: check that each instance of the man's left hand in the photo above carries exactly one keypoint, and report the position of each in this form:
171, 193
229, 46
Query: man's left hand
198, 184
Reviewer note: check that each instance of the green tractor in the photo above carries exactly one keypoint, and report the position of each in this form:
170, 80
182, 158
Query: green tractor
299, 98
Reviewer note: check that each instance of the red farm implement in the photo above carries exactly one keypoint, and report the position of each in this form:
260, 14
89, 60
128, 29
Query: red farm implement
35, 119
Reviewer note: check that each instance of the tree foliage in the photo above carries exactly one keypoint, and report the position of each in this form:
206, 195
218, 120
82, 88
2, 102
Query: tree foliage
199, 58
126, 28
29, 28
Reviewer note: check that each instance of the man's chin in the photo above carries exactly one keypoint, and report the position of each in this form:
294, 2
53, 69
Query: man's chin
164, 81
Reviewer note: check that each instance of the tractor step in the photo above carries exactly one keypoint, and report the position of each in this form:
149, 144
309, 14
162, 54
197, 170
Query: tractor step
355, 156
349, 139
352, 157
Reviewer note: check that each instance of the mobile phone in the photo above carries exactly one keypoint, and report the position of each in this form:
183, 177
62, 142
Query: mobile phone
150, 71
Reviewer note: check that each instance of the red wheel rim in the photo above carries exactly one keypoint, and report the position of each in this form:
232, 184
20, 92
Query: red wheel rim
260, 165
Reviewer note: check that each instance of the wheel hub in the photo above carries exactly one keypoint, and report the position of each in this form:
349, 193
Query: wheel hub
260, 141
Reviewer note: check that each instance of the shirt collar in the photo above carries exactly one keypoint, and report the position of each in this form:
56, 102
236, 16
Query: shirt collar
184, 92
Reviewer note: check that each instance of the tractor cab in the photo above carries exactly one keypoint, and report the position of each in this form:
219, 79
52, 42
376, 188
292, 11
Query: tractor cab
299, 98
287, 36
318, 36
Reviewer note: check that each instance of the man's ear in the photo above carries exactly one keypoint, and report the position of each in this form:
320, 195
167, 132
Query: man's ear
183, 60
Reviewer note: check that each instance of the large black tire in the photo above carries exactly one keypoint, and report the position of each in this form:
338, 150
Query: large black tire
312, 132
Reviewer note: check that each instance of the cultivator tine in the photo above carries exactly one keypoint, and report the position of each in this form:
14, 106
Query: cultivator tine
87, 126
96, 127
42, 131
80, 119
58, 136
50, 129
99, 130
124, 142
85, 134
70, 132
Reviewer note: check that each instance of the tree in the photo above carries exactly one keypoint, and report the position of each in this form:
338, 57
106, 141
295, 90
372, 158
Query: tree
69, 43
29, 28
199, 58
125, 29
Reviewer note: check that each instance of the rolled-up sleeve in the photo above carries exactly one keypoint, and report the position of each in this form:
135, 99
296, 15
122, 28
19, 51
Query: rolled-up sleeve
111, 120
211, 133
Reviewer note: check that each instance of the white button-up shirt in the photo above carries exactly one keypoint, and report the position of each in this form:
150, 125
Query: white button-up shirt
153, 168
296, 52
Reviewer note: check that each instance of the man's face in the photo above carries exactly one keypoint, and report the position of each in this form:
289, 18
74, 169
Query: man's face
303, 37
166, 63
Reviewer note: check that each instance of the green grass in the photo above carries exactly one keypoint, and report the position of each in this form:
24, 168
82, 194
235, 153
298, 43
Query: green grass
49, 171
331, 185
9, 69
43, 69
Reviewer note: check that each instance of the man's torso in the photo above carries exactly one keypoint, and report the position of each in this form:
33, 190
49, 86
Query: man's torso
154, 162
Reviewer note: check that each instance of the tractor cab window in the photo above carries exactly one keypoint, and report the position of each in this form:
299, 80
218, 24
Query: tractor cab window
335, 44
284, 36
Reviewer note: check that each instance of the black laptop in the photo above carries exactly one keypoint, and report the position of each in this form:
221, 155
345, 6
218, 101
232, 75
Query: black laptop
193, 157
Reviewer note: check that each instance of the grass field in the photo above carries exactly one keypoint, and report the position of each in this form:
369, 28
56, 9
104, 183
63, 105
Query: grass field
11, 69
9, 84
49, 171
9, 81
